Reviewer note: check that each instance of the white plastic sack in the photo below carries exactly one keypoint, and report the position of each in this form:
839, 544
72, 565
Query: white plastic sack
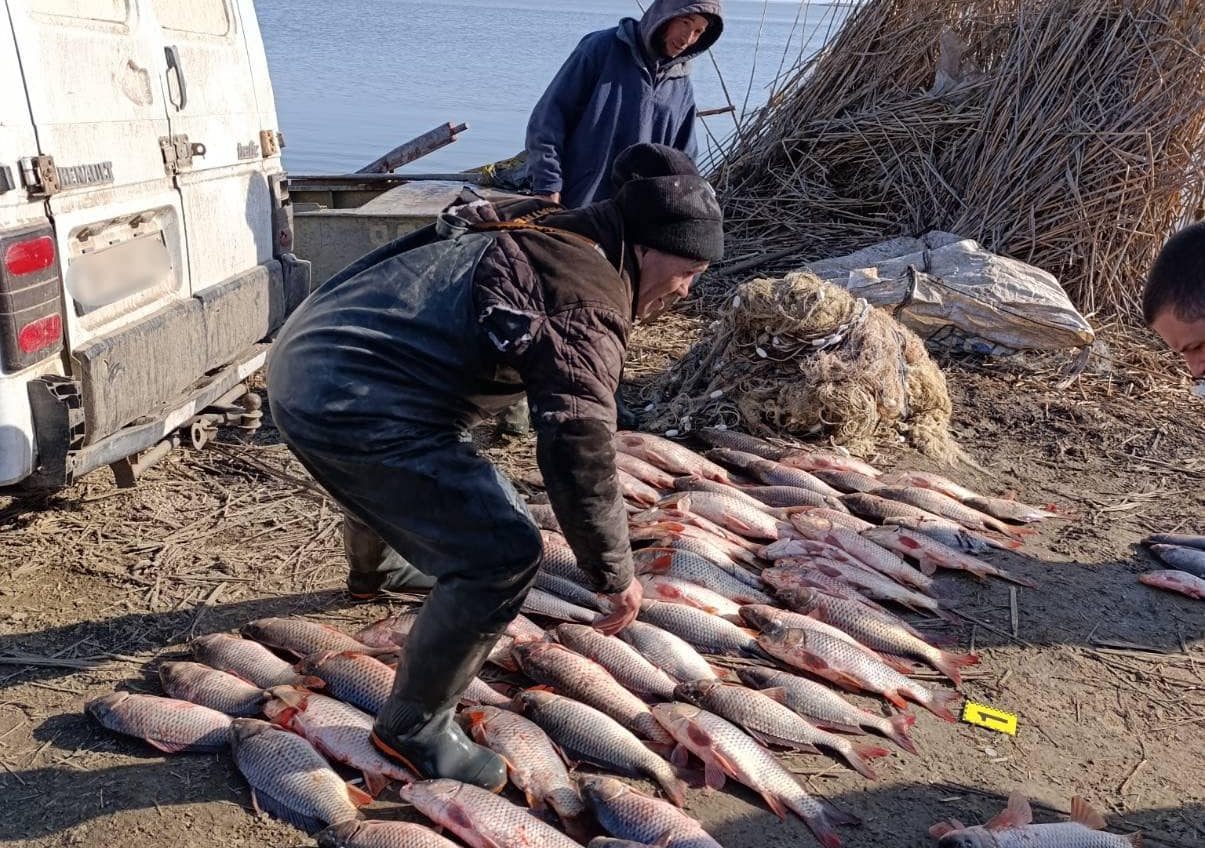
953, 293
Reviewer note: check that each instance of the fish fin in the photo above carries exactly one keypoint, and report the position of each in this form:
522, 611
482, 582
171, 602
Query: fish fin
940, 829
680, 756
311, 683
358, 796
900, 724
775, 804
290, 695
948, 664
927, 566
871, 752
658, 564
782, 742
1016, 814
713, 775
898, 663
1012, 578
265, 803
855, 761
675, 790
374, 782
776, 693
943, 704
534, 802
1083, 813
1135, 839
168, 747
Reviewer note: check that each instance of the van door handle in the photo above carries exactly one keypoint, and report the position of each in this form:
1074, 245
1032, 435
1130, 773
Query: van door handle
173, 64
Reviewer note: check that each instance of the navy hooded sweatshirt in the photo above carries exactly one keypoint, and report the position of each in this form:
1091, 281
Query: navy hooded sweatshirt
615, 90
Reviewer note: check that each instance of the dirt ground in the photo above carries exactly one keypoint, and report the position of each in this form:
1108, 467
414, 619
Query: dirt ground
1107, 676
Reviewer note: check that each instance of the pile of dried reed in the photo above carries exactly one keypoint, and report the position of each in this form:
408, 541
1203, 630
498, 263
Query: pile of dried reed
1066, 134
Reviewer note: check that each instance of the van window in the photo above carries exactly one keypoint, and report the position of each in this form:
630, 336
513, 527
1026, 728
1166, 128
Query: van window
111, 11
207, 17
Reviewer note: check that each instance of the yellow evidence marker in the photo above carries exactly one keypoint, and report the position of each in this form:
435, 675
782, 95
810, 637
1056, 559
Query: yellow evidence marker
989, 717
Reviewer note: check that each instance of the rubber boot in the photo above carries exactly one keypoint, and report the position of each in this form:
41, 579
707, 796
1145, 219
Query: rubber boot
455, 632
375, 567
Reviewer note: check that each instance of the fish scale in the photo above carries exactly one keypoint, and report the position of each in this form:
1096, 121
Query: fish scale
364, 682
714, 555
244, 658
667, 651
708, 633
846, 665
619, 658
541, 603
336, 729
639, 818
211, 688
784, 497
588, 735
168, 724
532, 762
303, 638
825, 707
727, 750
728, 512
672, 590
588, 682
290, 779
743, 442
945, 506
774, 723
668, 456
381, 834
772, 473
481, 818
689, 566
645, 472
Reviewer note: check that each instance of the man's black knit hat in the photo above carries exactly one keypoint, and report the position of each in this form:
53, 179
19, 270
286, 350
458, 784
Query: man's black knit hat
666, 205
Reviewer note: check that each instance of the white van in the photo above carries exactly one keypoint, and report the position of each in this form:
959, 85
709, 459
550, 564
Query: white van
145, 230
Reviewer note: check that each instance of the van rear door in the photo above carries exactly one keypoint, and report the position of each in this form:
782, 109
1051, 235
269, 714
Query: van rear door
212, 103
93, 71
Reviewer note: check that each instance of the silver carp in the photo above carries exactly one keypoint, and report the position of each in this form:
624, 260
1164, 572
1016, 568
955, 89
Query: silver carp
481, 818
636, 817
381, 834
1014, 828
246, 659
172, 726
685, 565
666, 651
1182, 558
619, 658
709, 633
302, 638
361, 681
668, 456
211, 688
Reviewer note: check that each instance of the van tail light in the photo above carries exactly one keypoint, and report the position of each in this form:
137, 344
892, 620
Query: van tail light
29, 256
38, 335
31, 298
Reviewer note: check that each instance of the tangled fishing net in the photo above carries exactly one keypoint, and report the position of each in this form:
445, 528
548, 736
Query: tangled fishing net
797, 356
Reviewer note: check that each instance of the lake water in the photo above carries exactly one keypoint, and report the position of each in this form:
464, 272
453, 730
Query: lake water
355, 78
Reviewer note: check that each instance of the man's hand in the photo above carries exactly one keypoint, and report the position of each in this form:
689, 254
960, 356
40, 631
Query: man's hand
554, 197
624, 607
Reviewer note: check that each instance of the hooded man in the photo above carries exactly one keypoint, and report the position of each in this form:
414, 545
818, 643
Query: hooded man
1173, 302
619, 87
377, 378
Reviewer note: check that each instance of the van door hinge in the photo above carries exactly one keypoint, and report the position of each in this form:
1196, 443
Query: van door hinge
40, 176
269, 143
178, 153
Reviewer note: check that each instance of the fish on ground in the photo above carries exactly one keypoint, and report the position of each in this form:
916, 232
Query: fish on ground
849, 481
671, 653
361, 681
481, 818
883, 510
587, 735
1014, 828
927, 480
668, 456
753, 613
693, 568
246, 659
873, 584
698, 484
881, 559
1183, 540
532, 761
785, 497
1006, 509
541, 603
727, 751
880, 634
931, 554
709, 633
569, 590
771, 473
683, 525
218, 690
623, 661
720, 438
380, 834
290, 779
584, 680
958, 538
821, 460
302, 637
946, 507
1182, 558
645, 472
773, 723
672, 590
480, 693
1176, 581
737, 569
388, 633
824, 707
726, 511
845, 665
172, 726
635, 490
639, 818
338, 730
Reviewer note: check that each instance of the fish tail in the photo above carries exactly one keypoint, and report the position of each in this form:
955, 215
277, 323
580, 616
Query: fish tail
855, 757
942, 702
1135, 839
822, 822
900, 723
948, 664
